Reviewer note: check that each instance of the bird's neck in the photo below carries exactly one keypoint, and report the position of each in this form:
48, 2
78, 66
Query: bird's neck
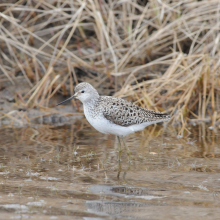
91, 103
90, 108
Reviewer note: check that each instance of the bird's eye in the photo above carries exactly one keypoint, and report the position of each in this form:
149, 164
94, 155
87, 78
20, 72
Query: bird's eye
82, 91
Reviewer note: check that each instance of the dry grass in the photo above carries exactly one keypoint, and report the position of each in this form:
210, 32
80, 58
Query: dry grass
165, 55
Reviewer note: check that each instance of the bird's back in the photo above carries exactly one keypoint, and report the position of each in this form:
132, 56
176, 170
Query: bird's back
124, 113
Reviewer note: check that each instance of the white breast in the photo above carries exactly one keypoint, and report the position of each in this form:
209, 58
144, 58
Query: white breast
101, 124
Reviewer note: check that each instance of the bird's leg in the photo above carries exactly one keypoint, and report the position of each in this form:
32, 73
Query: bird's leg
119, 141
119, 151
119, 169
127, 148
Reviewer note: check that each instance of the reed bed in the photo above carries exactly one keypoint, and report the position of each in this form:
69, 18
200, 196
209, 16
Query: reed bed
162, 54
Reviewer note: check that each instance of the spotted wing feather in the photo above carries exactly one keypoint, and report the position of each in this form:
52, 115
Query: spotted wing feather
124, 113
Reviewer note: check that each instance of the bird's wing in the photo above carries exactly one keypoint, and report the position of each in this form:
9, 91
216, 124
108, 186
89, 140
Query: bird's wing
124, 113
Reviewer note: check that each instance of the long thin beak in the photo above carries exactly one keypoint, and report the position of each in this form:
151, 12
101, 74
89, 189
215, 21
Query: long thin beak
72, 97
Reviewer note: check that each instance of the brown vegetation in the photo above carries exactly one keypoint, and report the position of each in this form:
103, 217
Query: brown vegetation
164, 54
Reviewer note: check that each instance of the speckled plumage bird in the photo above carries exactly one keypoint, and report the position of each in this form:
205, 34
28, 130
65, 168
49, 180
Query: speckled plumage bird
111, 115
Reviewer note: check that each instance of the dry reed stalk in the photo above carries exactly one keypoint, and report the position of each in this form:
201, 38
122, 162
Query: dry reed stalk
162, 52
39, 88
8, 115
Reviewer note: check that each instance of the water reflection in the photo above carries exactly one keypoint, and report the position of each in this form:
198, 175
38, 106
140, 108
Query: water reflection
74, 171
119, 209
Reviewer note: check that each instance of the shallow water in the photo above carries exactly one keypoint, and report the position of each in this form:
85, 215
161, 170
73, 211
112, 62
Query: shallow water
73, 172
